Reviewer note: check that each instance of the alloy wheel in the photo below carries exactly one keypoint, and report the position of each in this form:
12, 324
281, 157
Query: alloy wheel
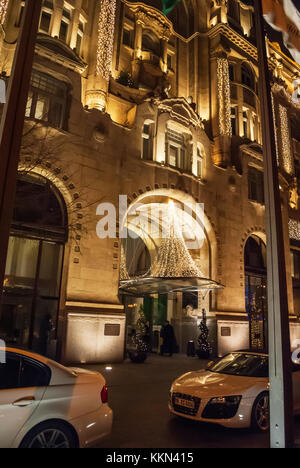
50, 438
262, 413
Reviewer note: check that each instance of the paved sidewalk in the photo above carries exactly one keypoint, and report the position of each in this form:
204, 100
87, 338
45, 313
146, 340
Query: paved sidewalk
138, 394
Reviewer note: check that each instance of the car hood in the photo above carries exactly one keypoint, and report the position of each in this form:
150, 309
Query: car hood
206, 384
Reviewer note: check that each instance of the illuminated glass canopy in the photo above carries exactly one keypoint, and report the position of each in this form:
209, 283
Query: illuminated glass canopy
146, 286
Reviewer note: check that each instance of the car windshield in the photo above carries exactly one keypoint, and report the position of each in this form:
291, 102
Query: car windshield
246, 365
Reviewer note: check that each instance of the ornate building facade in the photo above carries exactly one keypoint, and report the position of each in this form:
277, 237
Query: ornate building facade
127, 101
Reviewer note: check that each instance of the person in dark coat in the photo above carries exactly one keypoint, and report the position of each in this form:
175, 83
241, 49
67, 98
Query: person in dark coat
168, 336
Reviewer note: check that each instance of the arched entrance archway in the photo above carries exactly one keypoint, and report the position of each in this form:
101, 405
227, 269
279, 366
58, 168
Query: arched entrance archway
29, 310
163, 290
256, 291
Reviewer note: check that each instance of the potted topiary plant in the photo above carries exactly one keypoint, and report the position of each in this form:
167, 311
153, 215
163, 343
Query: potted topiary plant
203, 352
139, 354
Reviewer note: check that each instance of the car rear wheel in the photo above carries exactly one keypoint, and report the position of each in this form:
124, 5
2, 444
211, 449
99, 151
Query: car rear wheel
261, 413
51, 435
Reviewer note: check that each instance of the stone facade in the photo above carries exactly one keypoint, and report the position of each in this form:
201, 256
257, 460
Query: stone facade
178, 118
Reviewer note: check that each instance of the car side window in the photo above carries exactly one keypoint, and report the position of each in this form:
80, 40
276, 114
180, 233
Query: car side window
10, 372
34, 374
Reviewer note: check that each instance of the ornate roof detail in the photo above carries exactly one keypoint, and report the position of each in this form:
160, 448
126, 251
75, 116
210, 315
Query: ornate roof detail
55, 50
180, 110
151, 18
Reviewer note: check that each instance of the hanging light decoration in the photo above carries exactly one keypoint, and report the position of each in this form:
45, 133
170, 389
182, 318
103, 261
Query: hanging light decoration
224, 97
124, 275
287, 158
3, 10
106, 29
173, 259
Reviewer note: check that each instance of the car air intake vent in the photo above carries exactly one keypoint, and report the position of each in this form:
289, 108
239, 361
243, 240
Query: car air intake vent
185, 404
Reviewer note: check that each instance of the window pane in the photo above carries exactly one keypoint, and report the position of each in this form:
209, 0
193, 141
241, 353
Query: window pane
29, 104
42, 108
33, 374
173, 156
63, 34
15, 315
10, 372
50, 269
45, 22
21, 263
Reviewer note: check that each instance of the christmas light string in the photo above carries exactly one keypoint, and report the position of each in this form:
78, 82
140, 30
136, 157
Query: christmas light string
3, 10
106, 30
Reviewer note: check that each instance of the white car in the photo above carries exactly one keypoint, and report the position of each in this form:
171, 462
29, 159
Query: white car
46, 405
232, 392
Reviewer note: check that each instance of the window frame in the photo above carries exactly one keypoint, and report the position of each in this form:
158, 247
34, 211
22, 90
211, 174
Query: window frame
36, 94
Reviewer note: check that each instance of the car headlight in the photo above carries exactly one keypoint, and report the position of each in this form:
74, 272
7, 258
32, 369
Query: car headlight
222, 407
229, 400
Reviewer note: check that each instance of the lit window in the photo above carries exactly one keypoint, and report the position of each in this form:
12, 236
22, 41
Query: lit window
147, 136
246, 123
200, 160
177, 154
47, 99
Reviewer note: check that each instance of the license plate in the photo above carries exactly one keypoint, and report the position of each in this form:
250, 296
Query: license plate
186, 403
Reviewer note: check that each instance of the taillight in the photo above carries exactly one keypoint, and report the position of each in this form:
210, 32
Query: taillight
104, 394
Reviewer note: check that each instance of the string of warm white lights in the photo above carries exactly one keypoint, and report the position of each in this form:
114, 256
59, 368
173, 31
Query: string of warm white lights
106, 29
174, 259
287, 159
123, 267
275, 127
3, 10
294, 229
224, 100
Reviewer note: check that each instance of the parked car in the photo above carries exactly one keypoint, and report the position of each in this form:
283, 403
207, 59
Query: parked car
46, 405
232, 392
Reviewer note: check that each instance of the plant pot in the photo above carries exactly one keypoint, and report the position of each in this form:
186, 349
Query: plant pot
138, 357
202, 354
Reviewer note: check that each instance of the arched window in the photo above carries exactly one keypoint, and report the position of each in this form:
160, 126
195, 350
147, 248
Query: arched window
151, 43
33, 272
248, 78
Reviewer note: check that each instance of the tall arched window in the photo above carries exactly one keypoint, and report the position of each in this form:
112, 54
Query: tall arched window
29, 312
151, 43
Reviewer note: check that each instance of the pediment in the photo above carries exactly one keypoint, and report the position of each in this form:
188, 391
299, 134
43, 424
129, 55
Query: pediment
57, 51
179, 109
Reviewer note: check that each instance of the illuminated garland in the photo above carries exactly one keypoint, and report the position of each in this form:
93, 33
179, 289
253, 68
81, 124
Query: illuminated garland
286, 140
123, 267
275, 128
106, 29
3, 10
224, 100
173, 258
294, 229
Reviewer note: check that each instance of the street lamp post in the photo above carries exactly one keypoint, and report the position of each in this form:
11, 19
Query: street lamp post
12, 123
281, 390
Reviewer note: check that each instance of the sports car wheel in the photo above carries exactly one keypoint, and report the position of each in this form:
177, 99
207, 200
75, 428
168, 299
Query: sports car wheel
261, 413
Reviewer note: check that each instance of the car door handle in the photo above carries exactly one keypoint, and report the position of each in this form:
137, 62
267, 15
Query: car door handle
24, 402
